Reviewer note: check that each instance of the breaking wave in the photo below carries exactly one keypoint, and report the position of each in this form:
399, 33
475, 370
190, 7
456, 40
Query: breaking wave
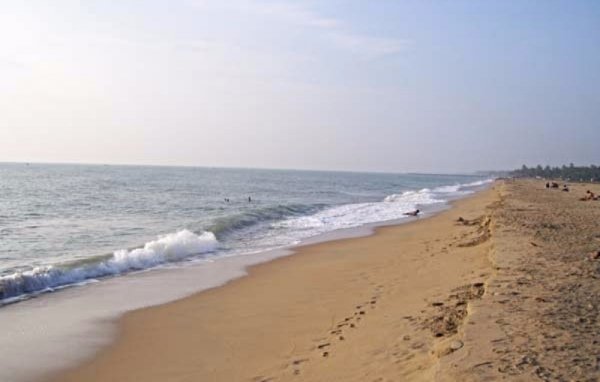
393, 207
234, 223
168, 248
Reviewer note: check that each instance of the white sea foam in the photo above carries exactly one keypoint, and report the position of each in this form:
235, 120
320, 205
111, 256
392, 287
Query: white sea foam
172, 247
448, 189
412, 198
479, 183
392, 207
168, 248
462, 189
353, 215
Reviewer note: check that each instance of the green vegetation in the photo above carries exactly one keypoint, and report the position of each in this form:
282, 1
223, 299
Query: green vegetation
570, 172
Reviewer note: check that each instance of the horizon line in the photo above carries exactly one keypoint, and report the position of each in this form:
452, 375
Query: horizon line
469, 173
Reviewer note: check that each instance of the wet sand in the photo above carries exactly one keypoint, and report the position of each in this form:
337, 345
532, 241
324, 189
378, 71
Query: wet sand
506, 292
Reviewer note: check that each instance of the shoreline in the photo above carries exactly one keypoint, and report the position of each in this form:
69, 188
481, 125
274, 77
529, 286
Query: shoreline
83, 318
23, 285
253, 270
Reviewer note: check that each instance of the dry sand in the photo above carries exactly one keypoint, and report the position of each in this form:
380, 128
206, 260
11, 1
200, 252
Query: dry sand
540, 316
508, 292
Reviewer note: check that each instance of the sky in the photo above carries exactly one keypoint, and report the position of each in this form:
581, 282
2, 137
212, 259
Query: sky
394, 86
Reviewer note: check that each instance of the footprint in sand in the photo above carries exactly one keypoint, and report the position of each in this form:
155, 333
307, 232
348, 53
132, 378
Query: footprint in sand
299, 361
261, 378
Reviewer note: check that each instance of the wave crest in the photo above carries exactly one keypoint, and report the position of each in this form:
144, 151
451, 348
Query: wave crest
241, 221
172, 247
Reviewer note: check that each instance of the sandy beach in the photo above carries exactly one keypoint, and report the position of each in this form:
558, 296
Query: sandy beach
295, 190
500, 286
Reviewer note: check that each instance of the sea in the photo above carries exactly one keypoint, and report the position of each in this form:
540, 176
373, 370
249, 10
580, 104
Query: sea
63, 225
80, 244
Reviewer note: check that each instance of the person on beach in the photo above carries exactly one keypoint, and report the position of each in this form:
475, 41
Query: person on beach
589, 196
249, 199
412, 213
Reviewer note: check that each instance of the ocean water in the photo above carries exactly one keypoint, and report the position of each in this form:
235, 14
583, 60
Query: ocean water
68, 225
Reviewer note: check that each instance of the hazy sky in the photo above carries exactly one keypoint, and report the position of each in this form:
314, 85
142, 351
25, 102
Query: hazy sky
433, 86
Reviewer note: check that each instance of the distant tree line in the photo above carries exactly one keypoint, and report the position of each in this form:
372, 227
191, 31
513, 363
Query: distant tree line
570, 172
